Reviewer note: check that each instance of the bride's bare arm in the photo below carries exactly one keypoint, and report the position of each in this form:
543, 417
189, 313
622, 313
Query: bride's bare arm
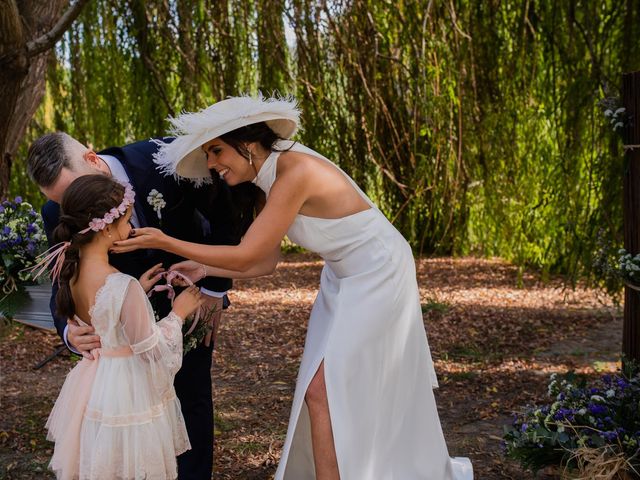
287, 195
195, 271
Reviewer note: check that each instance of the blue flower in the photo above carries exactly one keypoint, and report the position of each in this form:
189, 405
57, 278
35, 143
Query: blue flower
18, 200
6, 230
597, 409
31, 228
1, 209
524, 427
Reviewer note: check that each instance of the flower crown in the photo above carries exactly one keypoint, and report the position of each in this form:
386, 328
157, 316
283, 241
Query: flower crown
53, 259
98, 224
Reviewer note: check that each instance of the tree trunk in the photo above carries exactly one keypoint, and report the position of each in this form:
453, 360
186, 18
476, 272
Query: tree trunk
631, 102
28, 34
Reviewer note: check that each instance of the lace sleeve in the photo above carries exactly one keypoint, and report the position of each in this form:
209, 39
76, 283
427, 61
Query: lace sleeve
159, 344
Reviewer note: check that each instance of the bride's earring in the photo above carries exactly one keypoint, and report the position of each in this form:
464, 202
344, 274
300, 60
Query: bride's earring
250, 160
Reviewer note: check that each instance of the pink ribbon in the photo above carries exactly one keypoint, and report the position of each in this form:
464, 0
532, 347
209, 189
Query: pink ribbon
171, 293
57, 253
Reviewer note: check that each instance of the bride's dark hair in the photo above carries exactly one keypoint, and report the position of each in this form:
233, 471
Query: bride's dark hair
255, 132
88, 197
244, 198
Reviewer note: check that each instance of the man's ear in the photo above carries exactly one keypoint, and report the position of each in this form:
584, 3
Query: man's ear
92, 159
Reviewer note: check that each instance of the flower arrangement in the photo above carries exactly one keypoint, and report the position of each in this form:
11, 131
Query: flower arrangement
192, 338
156, 200
22, 239
629, 268
586, 429
196, 327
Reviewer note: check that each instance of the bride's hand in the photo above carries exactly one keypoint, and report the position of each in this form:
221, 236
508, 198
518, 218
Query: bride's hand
194, 271
146, 237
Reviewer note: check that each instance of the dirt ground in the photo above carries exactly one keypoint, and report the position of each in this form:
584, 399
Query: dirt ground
494, 346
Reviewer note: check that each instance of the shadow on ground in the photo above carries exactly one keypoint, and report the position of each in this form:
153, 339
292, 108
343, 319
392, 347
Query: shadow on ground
494, 345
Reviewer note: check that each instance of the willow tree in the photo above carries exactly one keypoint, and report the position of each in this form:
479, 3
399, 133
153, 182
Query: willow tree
474, 124
29, 29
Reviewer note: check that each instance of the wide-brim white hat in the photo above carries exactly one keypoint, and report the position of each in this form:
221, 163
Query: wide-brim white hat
184, 157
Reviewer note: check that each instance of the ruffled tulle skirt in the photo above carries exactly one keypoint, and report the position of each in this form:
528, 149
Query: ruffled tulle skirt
111, 421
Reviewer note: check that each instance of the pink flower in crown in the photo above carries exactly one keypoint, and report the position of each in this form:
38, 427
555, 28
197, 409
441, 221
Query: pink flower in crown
97, 224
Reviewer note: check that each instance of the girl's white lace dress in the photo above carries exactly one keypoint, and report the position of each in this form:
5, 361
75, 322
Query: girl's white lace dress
118, 417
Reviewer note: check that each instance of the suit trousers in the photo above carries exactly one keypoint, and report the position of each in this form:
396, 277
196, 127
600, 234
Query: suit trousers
193, 387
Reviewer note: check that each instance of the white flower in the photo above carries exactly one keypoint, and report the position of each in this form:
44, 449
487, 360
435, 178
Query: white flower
597, 398
582, 411
560, 428
610, 393
156, 200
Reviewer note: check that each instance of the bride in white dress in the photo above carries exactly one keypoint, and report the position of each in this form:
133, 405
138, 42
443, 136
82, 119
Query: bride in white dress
363, 406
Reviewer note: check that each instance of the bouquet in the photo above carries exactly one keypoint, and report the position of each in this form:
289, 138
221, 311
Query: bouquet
193, 335
22, 239
196, 327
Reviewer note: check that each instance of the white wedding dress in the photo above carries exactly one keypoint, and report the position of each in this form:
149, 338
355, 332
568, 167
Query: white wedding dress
366, 324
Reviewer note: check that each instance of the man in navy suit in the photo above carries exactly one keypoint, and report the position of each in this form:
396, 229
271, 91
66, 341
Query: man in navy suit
206, 214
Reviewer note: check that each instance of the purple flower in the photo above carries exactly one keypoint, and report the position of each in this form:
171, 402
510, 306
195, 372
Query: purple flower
6, 230
18, 200
1, 209
564, 413
31, 228
524, 427
597, 409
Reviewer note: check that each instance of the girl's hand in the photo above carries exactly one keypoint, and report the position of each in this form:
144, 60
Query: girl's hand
187, 302
151, 277
146, 237
194, 271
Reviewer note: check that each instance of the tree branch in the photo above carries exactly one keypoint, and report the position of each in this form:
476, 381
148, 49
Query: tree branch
49, 39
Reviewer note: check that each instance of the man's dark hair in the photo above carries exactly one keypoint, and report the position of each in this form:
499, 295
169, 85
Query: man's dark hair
46, 158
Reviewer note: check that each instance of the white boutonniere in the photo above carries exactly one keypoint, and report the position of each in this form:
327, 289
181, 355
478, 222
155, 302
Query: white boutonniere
156, 200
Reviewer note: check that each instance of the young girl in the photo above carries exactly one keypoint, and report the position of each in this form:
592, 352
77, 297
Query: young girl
117, 416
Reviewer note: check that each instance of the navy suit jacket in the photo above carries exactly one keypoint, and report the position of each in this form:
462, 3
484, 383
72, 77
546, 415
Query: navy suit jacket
211, 214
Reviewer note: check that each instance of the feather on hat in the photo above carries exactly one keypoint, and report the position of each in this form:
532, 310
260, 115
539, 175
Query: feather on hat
184, 157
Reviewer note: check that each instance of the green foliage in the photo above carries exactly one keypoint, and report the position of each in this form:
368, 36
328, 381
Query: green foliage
474, 124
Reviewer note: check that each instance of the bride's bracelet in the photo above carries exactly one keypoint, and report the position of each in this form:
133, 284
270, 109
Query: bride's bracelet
204, 271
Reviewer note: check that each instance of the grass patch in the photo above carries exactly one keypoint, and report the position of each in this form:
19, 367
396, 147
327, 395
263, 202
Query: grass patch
222, 425
245, 448
433, 305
